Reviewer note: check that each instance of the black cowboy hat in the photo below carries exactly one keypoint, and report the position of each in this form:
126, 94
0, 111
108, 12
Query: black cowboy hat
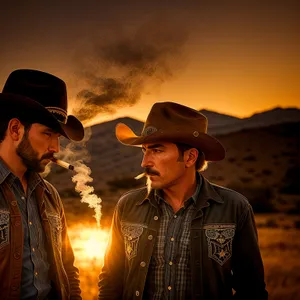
175, 123
39, 97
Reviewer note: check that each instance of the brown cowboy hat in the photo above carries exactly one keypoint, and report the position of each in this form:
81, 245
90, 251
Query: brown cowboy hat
39, 97
176, 123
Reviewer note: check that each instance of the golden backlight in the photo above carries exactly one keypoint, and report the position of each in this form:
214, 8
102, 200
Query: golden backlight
89, 243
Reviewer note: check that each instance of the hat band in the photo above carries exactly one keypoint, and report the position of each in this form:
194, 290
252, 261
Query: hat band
59, 113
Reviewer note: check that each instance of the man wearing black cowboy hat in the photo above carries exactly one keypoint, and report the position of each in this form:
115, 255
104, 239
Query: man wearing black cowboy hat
37, 260
184, 237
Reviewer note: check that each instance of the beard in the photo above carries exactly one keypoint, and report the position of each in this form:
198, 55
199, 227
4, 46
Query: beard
30, 157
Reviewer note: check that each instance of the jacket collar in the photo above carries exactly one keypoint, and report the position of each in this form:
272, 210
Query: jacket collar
207, 192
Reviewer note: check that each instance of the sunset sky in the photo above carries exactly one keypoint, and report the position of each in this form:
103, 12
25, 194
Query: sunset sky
234, 57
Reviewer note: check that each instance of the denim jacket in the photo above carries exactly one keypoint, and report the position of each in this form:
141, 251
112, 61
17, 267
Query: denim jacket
224, 251
63, 275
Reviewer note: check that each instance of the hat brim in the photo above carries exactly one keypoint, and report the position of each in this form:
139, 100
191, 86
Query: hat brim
14, 106
210, 146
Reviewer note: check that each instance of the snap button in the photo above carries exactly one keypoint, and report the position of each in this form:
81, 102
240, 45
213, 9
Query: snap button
150, 237
143, 264
17, 255
17, 223
137, 293
14, 203
169, 288
155, 218
195, 133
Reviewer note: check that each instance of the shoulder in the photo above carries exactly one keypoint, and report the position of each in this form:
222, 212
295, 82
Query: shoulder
231, 196
132, 196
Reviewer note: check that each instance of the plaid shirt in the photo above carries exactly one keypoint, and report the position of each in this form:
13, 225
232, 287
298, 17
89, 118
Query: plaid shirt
169, 271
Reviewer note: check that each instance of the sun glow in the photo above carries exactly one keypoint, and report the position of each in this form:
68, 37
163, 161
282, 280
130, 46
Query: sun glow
89, 244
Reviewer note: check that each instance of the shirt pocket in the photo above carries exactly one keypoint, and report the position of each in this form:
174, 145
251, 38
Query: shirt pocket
131, 234
56, 229
219, 239
4, 228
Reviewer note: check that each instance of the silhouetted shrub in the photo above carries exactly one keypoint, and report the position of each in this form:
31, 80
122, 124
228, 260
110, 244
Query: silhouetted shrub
249, 158
266, 172
292, 161
291, 181
246, 179
271, 223
297, 224
231, 159
296, 209
288, 153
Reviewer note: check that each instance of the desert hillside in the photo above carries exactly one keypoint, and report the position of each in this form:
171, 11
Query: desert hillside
262, 163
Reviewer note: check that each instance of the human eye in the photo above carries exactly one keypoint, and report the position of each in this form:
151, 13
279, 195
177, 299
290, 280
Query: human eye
48, 133
156, 150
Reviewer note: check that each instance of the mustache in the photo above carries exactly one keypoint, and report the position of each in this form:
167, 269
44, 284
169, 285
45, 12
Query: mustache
150, 171
47, 156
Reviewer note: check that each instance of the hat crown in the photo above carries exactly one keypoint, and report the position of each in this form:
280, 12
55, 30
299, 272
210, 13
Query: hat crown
170, 116
47, 89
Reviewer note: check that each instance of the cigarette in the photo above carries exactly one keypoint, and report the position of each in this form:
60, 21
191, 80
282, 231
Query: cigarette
140, 176
63, 164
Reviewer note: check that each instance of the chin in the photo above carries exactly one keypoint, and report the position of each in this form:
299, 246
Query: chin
156, 185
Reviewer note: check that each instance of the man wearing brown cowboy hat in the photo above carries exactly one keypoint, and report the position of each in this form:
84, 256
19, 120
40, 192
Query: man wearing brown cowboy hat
184, 238
36, 255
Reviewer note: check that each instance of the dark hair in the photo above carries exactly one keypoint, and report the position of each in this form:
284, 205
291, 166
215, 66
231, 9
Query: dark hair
4, 124
201, 163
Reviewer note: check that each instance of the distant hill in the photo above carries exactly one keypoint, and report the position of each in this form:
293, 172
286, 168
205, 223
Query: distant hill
217, 120
262, 162
223, 124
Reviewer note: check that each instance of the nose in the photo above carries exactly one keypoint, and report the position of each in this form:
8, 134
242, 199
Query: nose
146, 162
54, 146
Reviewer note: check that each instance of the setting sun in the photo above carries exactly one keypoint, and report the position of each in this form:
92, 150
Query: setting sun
89, 243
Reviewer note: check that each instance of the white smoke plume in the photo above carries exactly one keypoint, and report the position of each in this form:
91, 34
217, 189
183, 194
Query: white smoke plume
76, 153
82, 178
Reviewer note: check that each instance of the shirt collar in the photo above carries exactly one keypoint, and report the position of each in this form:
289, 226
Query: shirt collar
6, 175
205, 191
158, 194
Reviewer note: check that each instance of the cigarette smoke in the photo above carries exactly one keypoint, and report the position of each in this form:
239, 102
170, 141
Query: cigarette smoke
76, 153
148, 184
119, 70
133, 64
82, 178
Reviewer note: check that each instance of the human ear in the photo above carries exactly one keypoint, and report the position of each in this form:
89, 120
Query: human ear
191, 156
15, 129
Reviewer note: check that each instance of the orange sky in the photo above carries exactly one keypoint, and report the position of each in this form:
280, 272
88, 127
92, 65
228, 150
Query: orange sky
238, 58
